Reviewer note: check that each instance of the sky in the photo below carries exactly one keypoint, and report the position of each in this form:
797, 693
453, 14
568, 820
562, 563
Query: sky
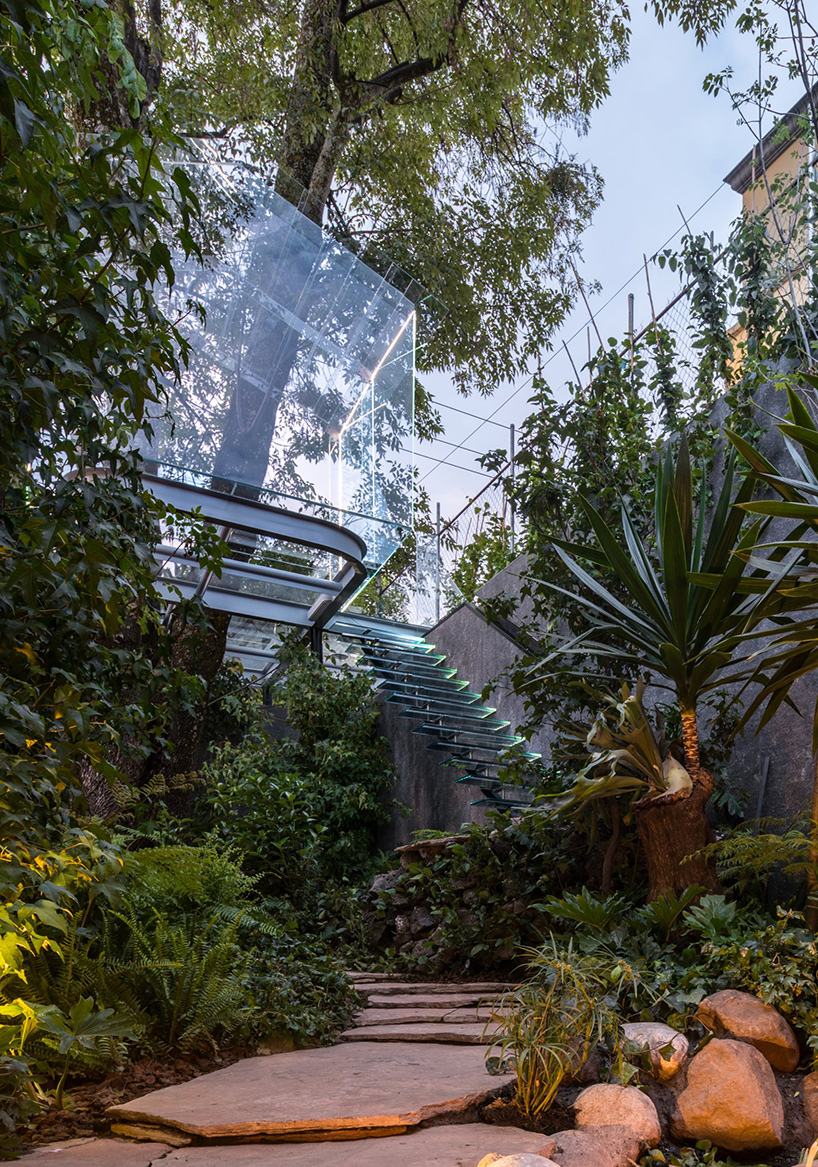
658, 141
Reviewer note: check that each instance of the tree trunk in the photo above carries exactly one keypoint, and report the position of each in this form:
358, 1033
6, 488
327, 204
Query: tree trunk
690, 741
310, 107
195, 650
111, 110
671, 831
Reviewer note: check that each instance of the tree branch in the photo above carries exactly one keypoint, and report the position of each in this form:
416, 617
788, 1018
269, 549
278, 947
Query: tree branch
392, 81
369, 6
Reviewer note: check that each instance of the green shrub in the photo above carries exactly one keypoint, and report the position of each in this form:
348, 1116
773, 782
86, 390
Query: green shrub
305, 810
200, 909
191, 959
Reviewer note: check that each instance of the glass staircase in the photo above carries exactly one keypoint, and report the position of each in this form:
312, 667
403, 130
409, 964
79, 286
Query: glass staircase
411, 675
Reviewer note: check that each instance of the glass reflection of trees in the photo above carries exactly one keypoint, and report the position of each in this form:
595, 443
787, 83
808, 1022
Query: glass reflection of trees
300, 377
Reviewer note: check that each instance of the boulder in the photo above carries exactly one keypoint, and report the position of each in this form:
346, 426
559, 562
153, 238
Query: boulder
607, 1105
421, 920
523, 1160
809, 1090
667, 1048
730, 1098
579, 1149
743, 1016
622, 1144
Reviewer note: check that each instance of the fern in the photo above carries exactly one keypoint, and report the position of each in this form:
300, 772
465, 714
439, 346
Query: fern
746, 858
191, 983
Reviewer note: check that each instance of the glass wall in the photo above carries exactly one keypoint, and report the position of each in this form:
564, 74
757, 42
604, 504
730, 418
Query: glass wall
299, 386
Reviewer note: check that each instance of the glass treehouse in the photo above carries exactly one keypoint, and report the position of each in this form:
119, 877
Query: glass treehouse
292, 427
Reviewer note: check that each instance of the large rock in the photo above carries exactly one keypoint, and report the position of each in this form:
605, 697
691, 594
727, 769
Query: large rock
667, 1048
579, 1149
809, 1090
607, 1105
743, 1016
622, 1144
730, 1098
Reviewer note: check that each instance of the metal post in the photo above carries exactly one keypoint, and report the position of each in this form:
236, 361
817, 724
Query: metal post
512, 454
317, 643
631, 299
437, 570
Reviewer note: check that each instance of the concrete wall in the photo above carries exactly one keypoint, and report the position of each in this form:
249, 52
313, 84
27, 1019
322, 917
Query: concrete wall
430, 790
481, 653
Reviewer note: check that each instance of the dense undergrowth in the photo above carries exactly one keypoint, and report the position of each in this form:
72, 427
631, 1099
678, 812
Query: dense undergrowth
218, 928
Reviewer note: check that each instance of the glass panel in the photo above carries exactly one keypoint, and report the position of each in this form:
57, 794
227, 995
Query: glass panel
299, 388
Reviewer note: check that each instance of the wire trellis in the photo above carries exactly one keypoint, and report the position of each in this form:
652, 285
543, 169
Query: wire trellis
447, 569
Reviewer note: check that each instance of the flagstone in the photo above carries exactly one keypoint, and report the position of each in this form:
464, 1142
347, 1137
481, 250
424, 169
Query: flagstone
460, 1145
481, 988
350, 1090
440, 1001
97, 1153
459, 1033
421, 1014
375, 976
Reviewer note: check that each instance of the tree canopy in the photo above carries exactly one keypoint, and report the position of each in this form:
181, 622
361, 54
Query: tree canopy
427, 128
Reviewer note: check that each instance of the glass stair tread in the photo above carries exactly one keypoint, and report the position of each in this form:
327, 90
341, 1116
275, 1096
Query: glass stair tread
473, 735
410, 675
413, 643
466, 725
463, 753
419, 688
438, 704
426, 663
505, 803
484, 764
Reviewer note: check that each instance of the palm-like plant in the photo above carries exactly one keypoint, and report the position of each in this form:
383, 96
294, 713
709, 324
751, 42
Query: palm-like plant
667, 621
792, 563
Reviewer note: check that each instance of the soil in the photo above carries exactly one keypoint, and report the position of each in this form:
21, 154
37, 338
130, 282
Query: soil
558, 1117
86, 1101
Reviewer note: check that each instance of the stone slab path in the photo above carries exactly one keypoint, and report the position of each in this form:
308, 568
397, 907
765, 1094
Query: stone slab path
463, 1145
422, 1013
434, 1000
401, 1090
411, 1011
454, 1033
430, 989
353, 1090
98, 1153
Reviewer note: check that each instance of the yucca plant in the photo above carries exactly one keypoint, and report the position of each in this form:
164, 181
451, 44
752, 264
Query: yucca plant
666, 621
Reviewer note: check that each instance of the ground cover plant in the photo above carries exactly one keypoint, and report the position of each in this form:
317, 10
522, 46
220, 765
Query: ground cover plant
608, 962
470, 909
